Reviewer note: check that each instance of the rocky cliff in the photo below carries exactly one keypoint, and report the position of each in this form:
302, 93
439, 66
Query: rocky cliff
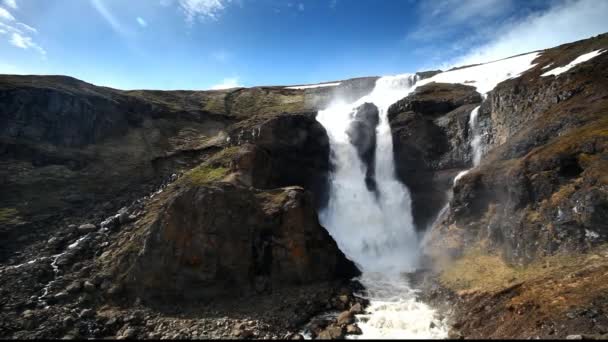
527, 227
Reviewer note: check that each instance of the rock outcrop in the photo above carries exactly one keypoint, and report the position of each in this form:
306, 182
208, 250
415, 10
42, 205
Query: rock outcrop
430, 141
226, 240
362, 135
540, 188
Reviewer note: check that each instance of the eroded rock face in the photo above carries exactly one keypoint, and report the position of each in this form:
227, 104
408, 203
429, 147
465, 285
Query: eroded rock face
222, 240
295, 148
540, 189
362, 135
431, 143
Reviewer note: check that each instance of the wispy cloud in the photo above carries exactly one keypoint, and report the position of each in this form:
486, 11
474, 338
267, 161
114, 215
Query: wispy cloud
27, 27
6, 15
564, 22
227, 83
199, 9
444, 17
141, 22
10, 3
25, 42
333, 4
18, 32
301, 6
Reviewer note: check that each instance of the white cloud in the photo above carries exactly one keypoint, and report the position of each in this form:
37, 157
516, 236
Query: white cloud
333, 4
141, 22
25, 42
565, 22
301, 6
201, 9
10, 3
440, 17
227, 83
2, 31
6, 15
27, 27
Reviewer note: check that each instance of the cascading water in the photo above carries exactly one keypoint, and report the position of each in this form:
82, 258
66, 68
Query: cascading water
375, 228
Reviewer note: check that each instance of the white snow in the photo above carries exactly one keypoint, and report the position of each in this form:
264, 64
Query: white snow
580, 59
320, 85
486, 76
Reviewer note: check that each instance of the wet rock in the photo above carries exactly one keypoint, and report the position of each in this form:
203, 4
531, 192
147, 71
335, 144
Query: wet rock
332, 333
362, 135
356, 309
345, 318
353, 329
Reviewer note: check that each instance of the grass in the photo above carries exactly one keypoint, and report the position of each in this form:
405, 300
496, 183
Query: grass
479, 271
204, 174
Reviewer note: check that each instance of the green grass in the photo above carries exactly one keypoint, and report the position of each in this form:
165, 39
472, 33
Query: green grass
205, 174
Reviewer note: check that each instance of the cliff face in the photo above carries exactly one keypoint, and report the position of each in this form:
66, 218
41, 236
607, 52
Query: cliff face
540, 186
430, 141
524, 236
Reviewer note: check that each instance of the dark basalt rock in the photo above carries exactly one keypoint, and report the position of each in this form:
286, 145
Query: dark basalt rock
431, 143
226, 240
540, 188
293, 150
362, 134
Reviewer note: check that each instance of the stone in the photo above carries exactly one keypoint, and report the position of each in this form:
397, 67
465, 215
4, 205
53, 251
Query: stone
353, 329
87, 313
356, 309
74, 287
346, 317
89, 286
574, 337
332, 333
87, 228
61, 296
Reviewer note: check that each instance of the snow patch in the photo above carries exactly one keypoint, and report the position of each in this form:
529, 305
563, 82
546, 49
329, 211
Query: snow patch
580, 59
486, 76
320, 85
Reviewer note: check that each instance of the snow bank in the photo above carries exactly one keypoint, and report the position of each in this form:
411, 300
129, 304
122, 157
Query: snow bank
580, 59
320, 85
486, 76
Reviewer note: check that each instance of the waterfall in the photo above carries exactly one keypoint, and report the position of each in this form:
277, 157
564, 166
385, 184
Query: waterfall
375, 229
475, 144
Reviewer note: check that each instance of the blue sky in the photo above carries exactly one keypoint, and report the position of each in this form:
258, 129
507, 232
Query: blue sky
202, 44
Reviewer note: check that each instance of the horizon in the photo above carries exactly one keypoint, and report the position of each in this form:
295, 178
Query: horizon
219, 44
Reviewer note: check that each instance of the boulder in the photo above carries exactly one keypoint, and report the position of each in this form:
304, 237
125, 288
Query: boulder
227, 240
87, 228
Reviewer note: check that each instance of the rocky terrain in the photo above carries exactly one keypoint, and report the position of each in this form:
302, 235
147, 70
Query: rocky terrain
193, 214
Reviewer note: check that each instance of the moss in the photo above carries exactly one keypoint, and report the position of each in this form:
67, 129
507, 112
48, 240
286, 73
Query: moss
205, 174
9, 216
480, 271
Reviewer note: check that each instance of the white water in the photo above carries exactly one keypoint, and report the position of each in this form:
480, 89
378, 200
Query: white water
377, 233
